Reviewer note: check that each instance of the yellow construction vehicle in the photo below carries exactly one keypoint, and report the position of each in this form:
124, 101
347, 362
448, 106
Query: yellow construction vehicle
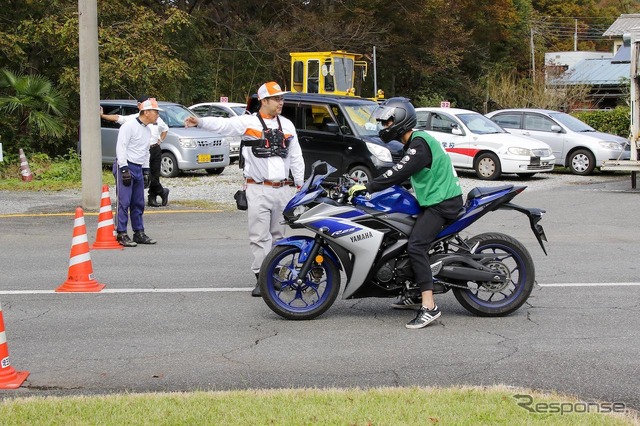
335, 73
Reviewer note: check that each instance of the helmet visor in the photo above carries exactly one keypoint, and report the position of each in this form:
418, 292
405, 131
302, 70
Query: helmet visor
383, 113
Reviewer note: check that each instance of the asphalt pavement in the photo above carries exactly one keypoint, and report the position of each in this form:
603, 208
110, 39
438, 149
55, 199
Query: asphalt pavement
178, 315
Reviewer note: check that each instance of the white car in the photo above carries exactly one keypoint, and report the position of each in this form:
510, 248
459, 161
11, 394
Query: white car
477, 143
223, 109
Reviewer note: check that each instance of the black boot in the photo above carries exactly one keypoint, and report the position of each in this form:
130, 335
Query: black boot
256, 291
153, 202
165, 196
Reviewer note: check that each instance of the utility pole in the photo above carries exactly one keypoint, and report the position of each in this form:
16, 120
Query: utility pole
575, 37
89, 104
533, 58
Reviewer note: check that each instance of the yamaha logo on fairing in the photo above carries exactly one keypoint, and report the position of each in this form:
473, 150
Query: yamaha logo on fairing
361, 237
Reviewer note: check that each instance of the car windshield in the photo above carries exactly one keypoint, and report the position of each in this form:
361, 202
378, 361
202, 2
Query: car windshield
571, 122
361, 116
174, 115
479, 124
239, 110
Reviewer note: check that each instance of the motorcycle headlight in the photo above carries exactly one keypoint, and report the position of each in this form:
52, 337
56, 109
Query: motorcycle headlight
382, 153
516, 150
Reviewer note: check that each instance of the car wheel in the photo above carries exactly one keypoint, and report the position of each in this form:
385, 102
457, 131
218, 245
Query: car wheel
216, 171
582, 162
487, 166
168, 165
360, 174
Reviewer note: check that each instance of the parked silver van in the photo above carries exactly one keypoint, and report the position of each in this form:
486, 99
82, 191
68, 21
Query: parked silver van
182, 149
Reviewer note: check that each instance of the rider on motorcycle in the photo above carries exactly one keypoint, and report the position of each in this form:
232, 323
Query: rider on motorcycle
436, 188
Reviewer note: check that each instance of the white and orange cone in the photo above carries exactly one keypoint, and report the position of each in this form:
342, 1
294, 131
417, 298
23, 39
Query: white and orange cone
80, 276
9, 377
25, 171
106, 234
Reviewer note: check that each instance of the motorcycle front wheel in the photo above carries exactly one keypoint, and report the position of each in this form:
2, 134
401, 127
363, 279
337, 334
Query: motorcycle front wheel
293, 298
493, 299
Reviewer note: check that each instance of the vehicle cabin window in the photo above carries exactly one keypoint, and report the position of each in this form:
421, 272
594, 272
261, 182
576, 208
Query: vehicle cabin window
316, 117
298, 76
508, 121
110, 110
327, 71
313, 76
289, 111
423, 119
128, 110
442, 123
537, 123
202, 111
219, 112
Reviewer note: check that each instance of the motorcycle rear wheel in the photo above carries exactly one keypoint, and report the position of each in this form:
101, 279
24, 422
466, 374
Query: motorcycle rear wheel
500, 300
290, 299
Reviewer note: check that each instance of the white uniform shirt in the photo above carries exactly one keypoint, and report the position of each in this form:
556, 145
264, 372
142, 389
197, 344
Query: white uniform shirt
156, 129
133, 143
261, 169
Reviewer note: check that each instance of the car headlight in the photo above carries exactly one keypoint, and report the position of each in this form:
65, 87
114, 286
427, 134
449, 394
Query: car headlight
611, 145
516, 150
187, 143
382, 153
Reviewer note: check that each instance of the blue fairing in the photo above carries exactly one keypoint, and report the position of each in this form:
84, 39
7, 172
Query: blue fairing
305, 244
391, 200
471, 210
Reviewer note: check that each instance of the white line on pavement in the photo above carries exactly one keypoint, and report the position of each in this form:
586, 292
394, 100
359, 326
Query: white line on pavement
243, 289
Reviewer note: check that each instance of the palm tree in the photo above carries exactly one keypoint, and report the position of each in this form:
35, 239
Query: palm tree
35, 105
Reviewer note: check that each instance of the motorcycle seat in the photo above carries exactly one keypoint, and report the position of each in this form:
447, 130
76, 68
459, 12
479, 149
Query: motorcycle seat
486, 190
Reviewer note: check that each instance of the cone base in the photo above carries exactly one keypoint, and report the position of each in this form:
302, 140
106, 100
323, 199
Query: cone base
15, 379
80, 286
107, 245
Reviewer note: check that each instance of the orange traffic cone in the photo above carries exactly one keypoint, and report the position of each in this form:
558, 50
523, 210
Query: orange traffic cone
25, 171
106, 235
80, 277
9, 377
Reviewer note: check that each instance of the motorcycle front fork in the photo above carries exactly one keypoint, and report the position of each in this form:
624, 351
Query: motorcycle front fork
311, 259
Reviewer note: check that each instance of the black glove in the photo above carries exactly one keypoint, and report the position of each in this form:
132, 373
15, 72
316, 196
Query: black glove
145, 176
126, 176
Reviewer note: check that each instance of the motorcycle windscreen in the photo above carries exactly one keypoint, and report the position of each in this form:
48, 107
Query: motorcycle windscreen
391, 200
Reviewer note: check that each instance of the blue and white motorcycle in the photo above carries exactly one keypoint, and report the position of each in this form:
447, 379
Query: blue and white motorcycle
491, 274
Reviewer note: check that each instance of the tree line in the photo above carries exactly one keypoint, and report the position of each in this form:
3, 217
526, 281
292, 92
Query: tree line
191, 51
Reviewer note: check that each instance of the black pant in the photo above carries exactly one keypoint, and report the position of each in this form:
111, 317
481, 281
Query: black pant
155, 157
428, 225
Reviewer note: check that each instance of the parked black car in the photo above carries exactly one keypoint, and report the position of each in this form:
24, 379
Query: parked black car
340, 131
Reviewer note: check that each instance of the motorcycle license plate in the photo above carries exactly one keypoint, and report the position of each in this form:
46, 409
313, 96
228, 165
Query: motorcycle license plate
204, 158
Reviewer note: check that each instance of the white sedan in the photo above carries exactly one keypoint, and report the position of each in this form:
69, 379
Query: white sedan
475, 142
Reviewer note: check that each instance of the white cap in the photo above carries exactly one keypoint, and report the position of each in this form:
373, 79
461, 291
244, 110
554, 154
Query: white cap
150, 103
270, 89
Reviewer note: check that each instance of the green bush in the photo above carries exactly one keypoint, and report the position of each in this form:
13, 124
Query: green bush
615, 121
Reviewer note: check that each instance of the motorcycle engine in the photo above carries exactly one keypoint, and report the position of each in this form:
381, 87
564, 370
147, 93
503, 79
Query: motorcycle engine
385, 273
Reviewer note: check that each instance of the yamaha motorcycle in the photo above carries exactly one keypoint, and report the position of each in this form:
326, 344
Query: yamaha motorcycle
365, 237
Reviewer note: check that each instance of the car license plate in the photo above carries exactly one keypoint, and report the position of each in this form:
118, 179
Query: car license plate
535, 161
204, 158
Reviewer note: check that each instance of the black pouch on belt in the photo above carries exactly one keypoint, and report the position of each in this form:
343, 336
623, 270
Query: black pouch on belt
241, 199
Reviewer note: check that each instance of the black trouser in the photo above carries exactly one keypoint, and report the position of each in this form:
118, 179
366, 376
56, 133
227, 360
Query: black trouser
155, 157
428, 225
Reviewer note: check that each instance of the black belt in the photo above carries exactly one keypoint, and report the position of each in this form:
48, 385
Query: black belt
272, 183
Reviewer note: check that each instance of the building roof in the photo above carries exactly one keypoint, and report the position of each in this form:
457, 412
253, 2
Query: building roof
623, 24
595, 72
